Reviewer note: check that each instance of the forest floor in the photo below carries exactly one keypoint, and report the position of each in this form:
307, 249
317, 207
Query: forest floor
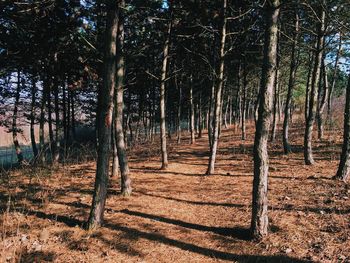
179, 215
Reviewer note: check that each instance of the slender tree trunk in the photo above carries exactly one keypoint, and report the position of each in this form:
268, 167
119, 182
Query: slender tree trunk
72, 97
344, 165
259, 223
105, 117
307, 92
42, 124
122, 155
322, 100
332, 86
309, 160
192, 119
179, 114
226, 112
276, 88
218, 93
200, 116
14, 121
244, 101
49, 110
274, 113
32, 121
291, 83
162, 95
115, 161
211, 115
64, 118
57, 128
69, 114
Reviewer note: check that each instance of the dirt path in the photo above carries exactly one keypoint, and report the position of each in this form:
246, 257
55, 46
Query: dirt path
179, 215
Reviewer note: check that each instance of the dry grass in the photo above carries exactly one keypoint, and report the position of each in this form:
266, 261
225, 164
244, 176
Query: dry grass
179, 215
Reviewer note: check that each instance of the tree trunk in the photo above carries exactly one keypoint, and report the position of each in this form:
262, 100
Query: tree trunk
200, 116
309, 160
179, 114
211, 115
49, 110
14, 121
192, 119
259, 223
64, 119
322, 100
274, 113
344, 165
115, 161
122, 155
244, 101
105, 117
307, 92
291, 83
218, 92
32, 122
42, 124
72, 97
162, 95
57, 128
332, 86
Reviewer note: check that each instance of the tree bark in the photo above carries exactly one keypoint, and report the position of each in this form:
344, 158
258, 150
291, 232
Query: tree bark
42, 124
244, 101
332, 86
105, 117
15, 129
57, 120
179, 114
218, 92
259, 222
200, 116
121, 149
32, 121
322, 100
344, 164
192, 119
308, 157
162, 94
291, 83
115, 161
49, 111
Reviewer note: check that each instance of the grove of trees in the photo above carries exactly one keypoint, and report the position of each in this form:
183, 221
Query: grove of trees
119, 73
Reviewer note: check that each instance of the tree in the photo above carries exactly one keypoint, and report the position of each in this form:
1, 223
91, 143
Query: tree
162, 94
315, 78
106, 116
14, 121
291, 83
344, 164
218, 92
119, 110
259, 222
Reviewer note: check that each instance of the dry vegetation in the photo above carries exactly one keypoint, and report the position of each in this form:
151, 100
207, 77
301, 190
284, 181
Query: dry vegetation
179, 215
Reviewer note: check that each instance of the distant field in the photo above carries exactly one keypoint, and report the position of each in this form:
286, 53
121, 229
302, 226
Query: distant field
7, 151
8, 155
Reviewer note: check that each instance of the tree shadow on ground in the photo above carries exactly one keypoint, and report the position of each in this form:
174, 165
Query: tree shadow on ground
37, 256
135, 234
191, 202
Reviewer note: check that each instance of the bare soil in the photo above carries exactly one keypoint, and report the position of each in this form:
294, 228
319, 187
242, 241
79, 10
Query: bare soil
179, 215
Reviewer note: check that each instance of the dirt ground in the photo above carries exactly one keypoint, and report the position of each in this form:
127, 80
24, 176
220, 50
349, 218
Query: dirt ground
179, 215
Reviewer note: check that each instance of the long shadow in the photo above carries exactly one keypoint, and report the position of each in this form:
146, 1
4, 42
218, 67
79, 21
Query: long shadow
132, 233
239, 233
152, 171
317, 210
69, 221
192, 202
